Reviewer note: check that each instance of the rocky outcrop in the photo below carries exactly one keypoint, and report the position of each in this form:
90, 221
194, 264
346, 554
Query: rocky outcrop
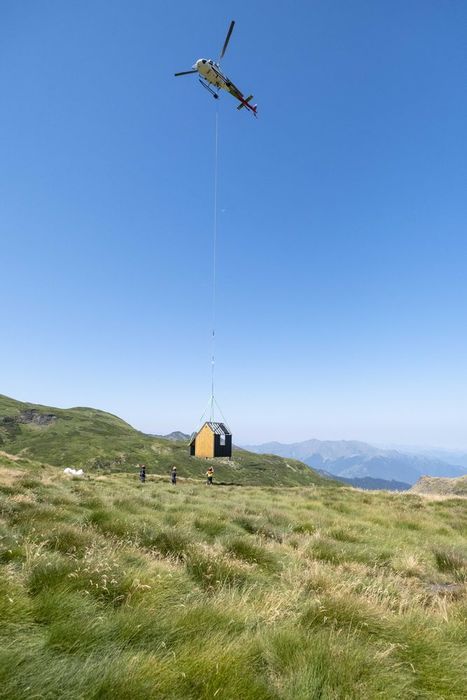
9, 425
32, 415
441, 486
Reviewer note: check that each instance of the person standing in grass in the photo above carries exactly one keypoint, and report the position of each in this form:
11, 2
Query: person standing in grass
142, 473
209, 475
173, 475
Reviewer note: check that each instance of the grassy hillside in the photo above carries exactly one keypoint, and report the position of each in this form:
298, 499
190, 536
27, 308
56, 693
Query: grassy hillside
112, 589
96, 441
441, 486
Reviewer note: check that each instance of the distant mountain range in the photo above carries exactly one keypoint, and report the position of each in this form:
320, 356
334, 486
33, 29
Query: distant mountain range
176, 436
354, 460
368, 482
456, 457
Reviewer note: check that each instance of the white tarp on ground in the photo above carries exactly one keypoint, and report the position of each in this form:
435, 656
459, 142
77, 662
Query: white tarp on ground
73, 472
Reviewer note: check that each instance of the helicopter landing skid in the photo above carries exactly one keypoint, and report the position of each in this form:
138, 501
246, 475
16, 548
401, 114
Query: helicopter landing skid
216, 97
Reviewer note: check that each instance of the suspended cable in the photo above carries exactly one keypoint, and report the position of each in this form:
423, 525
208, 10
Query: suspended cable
214, 264
220, 411
212, 403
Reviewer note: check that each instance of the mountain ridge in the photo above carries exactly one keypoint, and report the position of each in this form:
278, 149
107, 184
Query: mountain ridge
368, 483
353, 459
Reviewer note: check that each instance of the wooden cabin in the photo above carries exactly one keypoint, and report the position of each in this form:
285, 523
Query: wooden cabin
212, 440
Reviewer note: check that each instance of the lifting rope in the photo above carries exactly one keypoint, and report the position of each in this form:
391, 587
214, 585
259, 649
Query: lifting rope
214, 263
212, 403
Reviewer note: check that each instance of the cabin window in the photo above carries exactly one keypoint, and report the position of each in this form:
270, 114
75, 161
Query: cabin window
222, 440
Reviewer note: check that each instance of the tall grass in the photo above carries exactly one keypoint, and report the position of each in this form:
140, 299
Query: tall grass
111, 590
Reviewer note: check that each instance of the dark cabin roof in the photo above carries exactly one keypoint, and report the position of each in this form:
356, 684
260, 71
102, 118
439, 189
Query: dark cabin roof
217, 429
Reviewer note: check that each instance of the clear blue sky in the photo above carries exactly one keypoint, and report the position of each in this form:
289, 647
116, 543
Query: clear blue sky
342, 277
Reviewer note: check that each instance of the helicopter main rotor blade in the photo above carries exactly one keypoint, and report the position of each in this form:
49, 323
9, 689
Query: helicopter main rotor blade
185, 72
227, 39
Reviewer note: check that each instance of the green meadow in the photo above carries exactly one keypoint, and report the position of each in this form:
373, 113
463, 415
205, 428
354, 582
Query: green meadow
100, 442
114, 589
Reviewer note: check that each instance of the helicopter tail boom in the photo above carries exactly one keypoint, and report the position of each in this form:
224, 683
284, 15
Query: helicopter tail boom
245, 103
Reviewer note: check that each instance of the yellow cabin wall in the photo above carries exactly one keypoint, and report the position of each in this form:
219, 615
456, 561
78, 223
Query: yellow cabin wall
204, 445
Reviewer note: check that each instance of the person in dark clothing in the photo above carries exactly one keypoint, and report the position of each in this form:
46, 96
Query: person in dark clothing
142, 473
173, 475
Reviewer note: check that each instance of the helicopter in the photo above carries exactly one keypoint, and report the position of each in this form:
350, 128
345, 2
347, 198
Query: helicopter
210, 74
